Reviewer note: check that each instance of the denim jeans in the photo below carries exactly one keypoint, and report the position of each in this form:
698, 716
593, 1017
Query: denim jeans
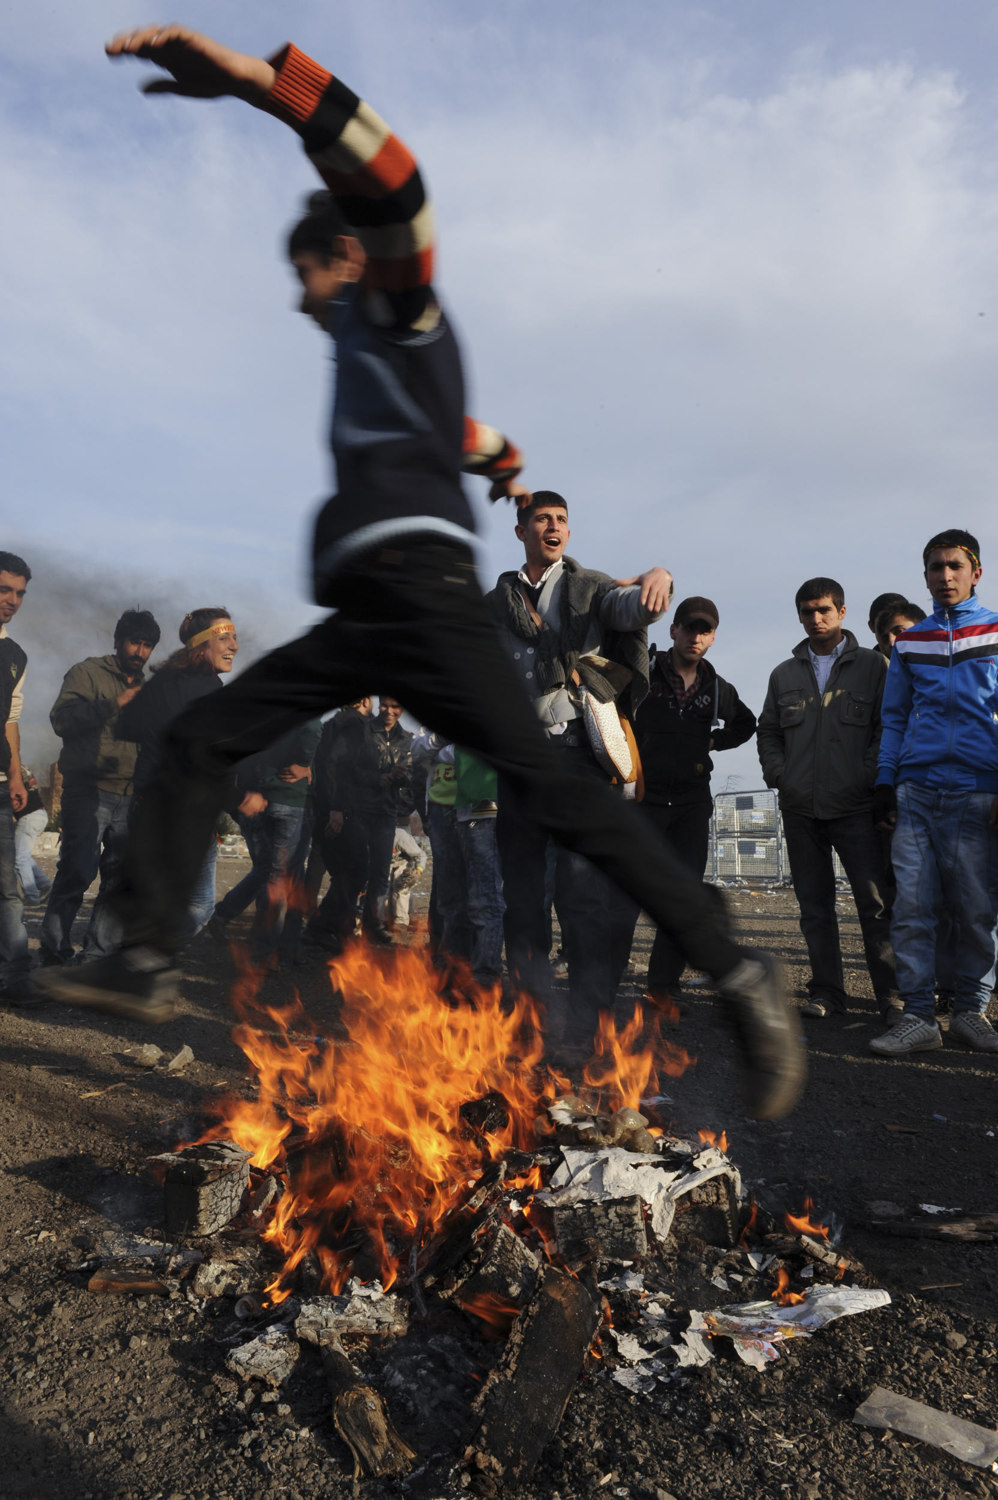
484, 902
202, 898
32, 877
944, 845
278, 848
452, 933
94, 830
14, 959
810, 843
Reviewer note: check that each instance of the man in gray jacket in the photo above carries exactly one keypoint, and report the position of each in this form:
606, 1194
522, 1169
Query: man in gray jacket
97, 769
556, 621
818, 737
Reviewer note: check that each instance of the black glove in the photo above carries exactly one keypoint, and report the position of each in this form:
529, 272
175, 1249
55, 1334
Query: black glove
885, 806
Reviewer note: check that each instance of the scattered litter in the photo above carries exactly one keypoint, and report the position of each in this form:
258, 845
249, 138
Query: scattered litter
127, 1282
760, 1326
941, 1118
934, 1208
904, 1129
183, 1057
694, 1349
961, 1439
269, 1358
148, 1055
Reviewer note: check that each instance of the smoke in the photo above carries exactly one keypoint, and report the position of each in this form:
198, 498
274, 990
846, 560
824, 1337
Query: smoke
69, 613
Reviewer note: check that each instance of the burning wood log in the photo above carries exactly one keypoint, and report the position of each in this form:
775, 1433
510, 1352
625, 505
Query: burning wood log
593, 1233
498, 1268
524, 1399
203, 1187
360, 1418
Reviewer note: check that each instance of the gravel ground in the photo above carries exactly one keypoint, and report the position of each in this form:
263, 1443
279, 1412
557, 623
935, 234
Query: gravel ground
128, 1396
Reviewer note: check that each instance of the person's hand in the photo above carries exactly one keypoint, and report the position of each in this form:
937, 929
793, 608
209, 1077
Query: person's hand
885, 808
335, 823
127, 694
510, 489
253, 804
201, 68
18, 791
657, 588
295, 773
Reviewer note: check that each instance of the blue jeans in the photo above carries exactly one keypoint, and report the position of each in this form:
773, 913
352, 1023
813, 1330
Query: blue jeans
94, 829
31, 875
484, 902
451, 934
14, 959
202, 898
944, 845
277, 846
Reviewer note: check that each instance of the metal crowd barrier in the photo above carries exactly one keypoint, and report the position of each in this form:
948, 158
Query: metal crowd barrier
746, 840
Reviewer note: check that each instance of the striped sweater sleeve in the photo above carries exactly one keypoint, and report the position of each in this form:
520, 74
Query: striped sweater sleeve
486, 451
372, 175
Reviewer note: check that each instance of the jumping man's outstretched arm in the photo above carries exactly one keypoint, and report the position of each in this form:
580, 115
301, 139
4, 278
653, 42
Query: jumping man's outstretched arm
369, 171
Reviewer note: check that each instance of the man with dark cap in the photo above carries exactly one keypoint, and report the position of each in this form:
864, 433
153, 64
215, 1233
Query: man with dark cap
558, 623
97, 769
689, 712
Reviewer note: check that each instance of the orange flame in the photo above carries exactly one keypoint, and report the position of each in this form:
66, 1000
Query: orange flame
743, 1238
710, 1139
370, 1130
497, 1313
626, 1062
803, 1223
781, 1295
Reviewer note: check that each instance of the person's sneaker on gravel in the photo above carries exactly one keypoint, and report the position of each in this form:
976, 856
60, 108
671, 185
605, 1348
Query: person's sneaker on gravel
909, 1034
973, 1030
821, 1005
137, 983
891, 1013
768, 1033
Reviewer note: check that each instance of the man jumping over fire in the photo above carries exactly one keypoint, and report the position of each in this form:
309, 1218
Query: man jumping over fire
393, 559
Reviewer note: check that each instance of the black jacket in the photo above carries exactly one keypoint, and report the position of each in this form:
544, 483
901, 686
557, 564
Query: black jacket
149, 715
346, 772
13, 660
675, 743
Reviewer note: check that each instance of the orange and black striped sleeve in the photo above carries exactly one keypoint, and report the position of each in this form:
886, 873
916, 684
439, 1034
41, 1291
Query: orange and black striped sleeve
371, 173
485, 451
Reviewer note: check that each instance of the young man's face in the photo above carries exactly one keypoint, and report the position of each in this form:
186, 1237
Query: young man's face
391, 712
321, 278
544, 535
691, 640
891, 631
12, 590
132, 656
822, 620
949, 573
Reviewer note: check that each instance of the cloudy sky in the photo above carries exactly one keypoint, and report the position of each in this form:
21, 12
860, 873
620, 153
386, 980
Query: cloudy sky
725, 271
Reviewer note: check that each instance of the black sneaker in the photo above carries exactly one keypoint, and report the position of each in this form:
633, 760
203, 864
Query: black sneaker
19, 992
769, 1035
137, 983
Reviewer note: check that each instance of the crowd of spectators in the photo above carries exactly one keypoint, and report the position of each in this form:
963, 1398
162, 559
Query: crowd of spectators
884, 756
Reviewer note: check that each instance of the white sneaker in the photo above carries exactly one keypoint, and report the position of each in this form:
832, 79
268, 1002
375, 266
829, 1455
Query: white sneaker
910, 1034
973, 1030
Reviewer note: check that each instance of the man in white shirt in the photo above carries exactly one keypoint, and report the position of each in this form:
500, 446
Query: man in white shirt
818, 737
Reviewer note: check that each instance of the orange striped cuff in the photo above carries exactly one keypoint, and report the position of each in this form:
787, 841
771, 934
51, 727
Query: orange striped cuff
300, 85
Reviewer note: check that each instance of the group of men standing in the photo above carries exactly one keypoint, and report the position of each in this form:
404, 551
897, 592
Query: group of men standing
895, 770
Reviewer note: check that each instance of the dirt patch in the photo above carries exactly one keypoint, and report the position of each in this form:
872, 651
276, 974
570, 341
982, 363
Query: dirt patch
129, 1397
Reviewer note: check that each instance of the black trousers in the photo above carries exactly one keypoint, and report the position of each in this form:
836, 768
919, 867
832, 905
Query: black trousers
685, 829
411, 621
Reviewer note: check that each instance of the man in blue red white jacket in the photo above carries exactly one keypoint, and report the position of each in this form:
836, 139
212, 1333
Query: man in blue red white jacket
393, 558
937, 788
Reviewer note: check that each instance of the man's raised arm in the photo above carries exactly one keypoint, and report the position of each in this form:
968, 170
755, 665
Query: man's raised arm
369, 171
